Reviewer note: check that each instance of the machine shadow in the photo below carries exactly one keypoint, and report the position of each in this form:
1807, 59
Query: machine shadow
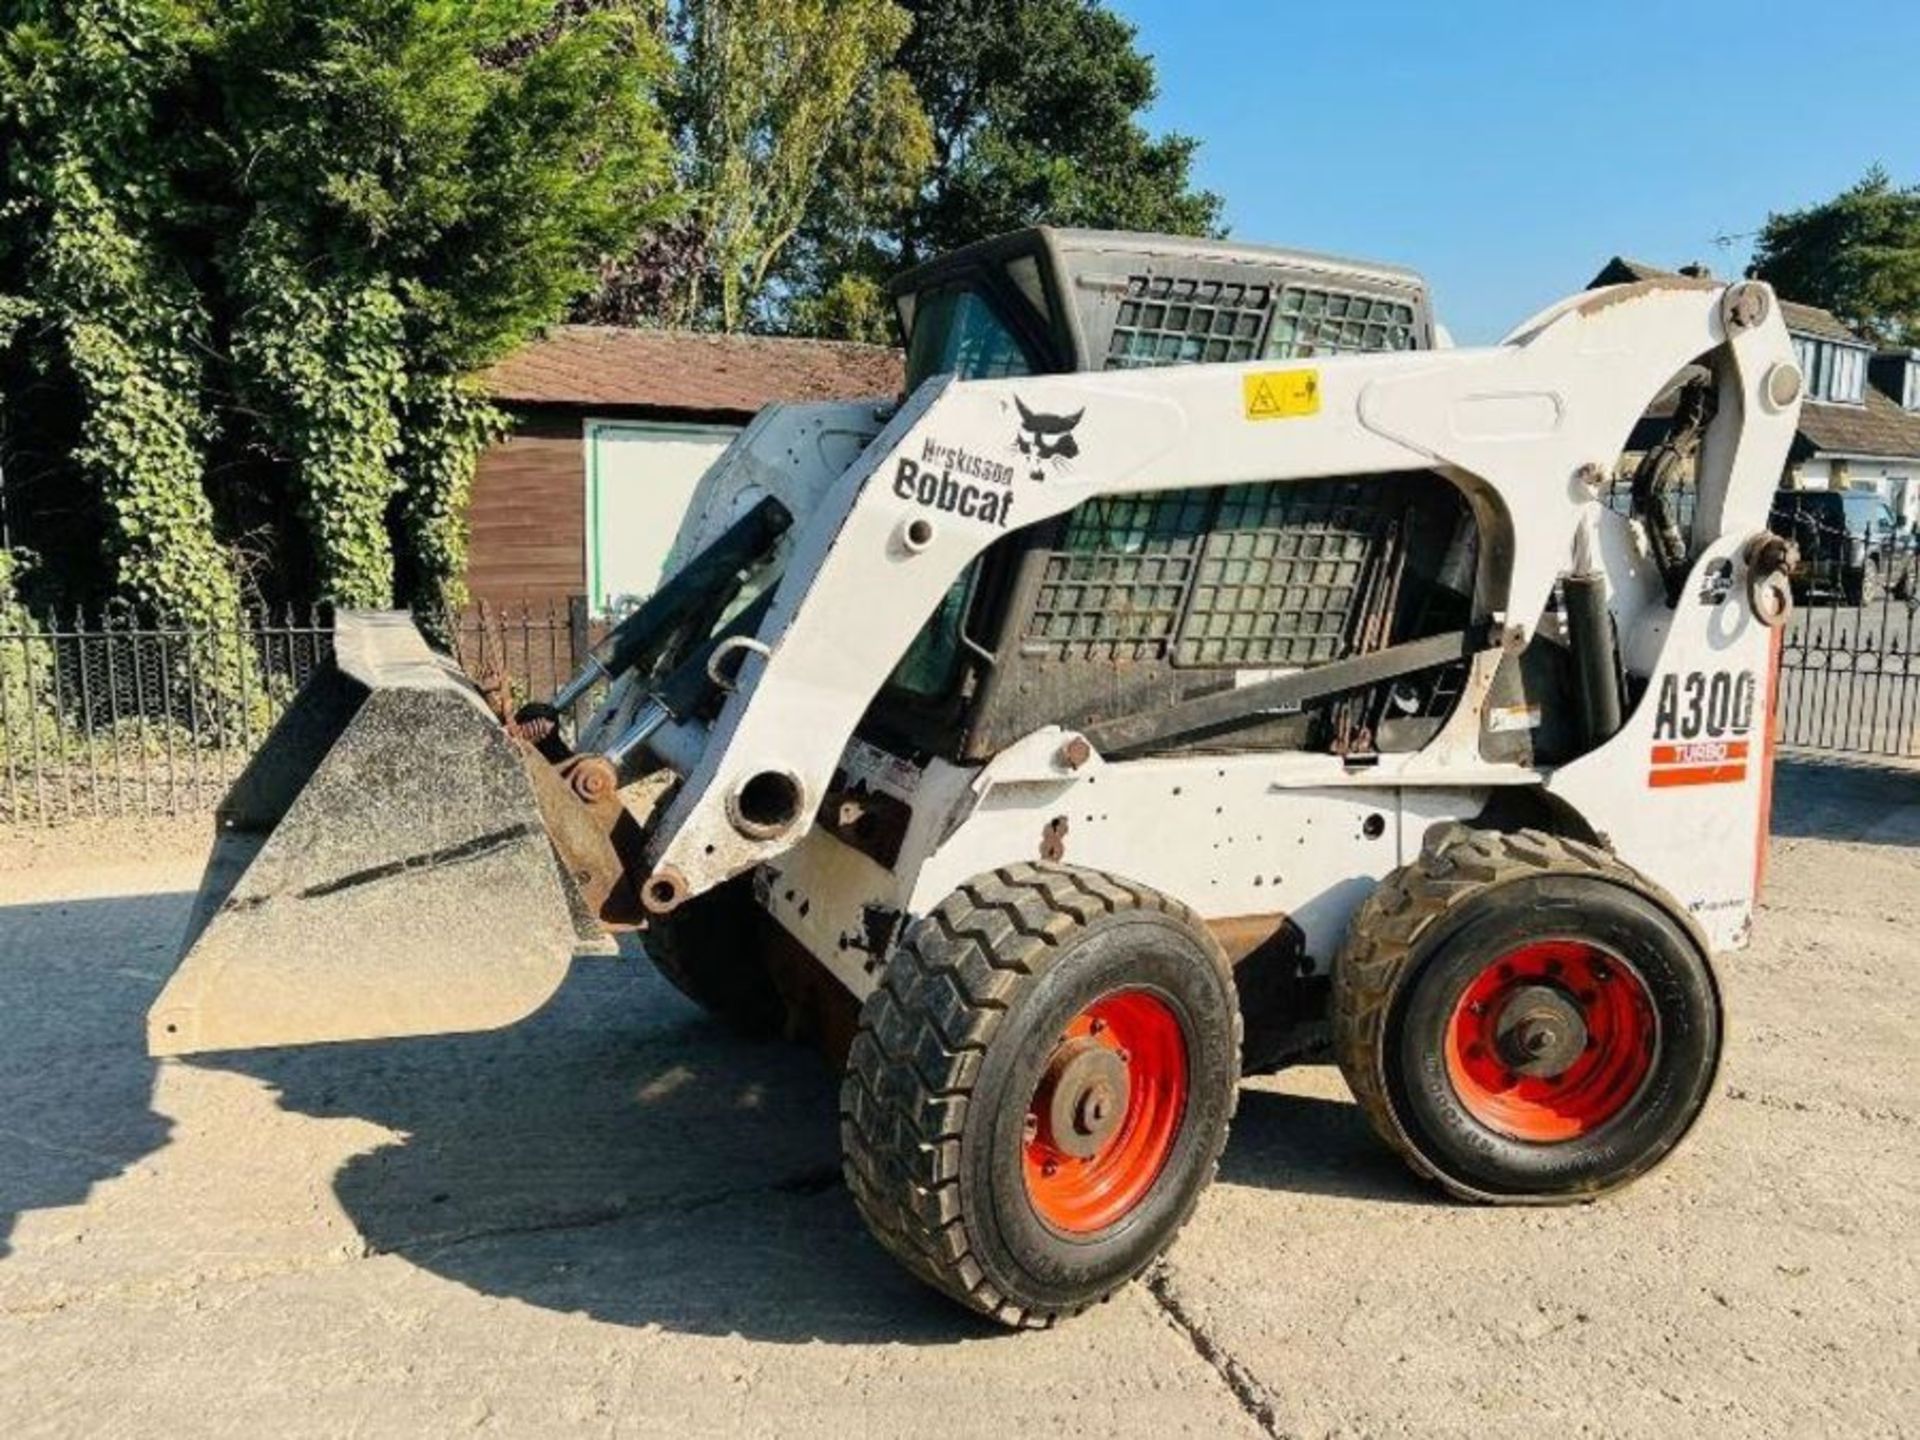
1833, 798
1314, 1146
76, 1086
621, 1156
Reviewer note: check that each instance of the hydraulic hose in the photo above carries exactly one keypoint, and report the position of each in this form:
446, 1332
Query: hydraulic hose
1659, 475
1596, 658
684, 690
708, 581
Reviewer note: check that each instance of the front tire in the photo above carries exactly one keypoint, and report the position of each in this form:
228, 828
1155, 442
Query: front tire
1040, 1089
1524, 1019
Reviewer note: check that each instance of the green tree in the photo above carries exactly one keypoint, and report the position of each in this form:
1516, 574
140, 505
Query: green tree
27, 696
1857, 255
251, 250
419, 190
106, 332
1034, 113
774, 96
1035, 107
872, 176
824, 144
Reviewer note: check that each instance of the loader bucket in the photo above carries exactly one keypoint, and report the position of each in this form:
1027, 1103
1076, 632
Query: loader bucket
381, 868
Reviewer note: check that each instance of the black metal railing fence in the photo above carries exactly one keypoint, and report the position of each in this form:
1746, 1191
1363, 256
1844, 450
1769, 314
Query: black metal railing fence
1849, 674
107, 714
113, 714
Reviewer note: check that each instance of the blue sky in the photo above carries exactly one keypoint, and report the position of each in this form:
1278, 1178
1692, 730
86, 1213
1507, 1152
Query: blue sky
1506, 150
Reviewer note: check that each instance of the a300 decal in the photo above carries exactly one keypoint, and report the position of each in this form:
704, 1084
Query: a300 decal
1701, 726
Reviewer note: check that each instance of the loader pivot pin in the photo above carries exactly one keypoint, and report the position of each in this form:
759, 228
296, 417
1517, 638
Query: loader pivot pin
1551, 1041
1105, 1112
664, 891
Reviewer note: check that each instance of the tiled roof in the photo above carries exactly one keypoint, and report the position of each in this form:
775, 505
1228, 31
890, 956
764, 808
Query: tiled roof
1878, 428
1622, 271
603, 365
1812, 320
1801, 319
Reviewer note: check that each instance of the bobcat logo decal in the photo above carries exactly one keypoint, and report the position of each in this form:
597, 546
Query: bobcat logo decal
1045, 440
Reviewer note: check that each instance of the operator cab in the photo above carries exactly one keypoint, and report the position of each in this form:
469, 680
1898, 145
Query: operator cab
1001, 655
1050, 302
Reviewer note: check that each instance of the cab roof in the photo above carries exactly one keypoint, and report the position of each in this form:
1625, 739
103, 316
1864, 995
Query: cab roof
1068, 244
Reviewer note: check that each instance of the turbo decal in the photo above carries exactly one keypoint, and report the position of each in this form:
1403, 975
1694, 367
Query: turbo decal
1700, 726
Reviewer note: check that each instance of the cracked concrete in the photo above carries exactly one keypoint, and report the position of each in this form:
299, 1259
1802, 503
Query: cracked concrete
614, 1219
1261, 1405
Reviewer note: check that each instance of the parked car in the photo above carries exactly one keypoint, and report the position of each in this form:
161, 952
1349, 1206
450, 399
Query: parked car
1851, 543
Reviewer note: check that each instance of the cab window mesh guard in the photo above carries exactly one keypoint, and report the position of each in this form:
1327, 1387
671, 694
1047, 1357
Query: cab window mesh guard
1167, 321
1315, 321
1267, 575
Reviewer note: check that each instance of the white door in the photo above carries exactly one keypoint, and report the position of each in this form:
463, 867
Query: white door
639, 478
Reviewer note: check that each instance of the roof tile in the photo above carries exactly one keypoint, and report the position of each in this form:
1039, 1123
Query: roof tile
604, 365
1879, 428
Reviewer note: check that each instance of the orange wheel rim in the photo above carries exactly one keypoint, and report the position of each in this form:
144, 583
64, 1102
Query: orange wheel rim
1104, 1116
1551, 1041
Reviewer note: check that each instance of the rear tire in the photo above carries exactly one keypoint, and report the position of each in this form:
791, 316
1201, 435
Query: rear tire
710, 950
1040, 1089
1523, 1018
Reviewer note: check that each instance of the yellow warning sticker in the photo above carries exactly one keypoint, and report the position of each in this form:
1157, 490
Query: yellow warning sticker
1281, 394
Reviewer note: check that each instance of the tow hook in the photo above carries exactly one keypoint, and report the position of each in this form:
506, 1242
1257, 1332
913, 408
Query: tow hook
1769, 560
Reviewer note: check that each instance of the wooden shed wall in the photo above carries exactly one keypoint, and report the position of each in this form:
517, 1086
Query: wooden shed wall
527, 517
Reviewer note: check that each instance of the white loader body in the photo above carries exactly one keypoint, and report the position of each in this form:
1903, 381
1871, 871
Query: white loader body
1522, 428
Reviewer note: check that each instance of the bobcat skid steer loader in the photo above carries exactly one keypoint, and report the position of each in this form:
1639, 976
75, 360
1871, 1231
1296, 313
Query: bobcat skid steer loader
1196, 670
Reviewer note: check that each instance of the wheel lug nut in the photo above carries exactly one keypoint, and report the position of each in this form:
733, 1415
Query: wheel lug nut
1049, 1168
1097, 1026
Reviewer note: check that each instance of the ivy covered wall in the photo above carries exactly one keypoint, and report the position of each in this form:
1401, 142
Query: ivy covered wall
249, 250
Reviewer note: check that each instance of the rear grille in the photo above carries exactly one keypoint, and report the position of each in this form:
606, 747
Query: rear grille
1280, 575
1115, 589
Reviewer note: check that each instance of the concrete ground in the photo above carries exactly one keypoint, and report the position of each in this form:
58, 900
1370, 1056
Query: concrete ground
614, 1219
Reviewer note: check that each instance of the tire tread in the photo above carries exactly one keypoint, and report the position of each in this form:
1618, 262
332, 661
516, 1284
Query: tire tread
923, 1034
1457, 863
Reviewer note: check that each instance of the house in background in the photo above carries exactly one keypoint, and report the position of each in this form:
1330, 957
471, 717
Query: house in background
1860, 423
612, 427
